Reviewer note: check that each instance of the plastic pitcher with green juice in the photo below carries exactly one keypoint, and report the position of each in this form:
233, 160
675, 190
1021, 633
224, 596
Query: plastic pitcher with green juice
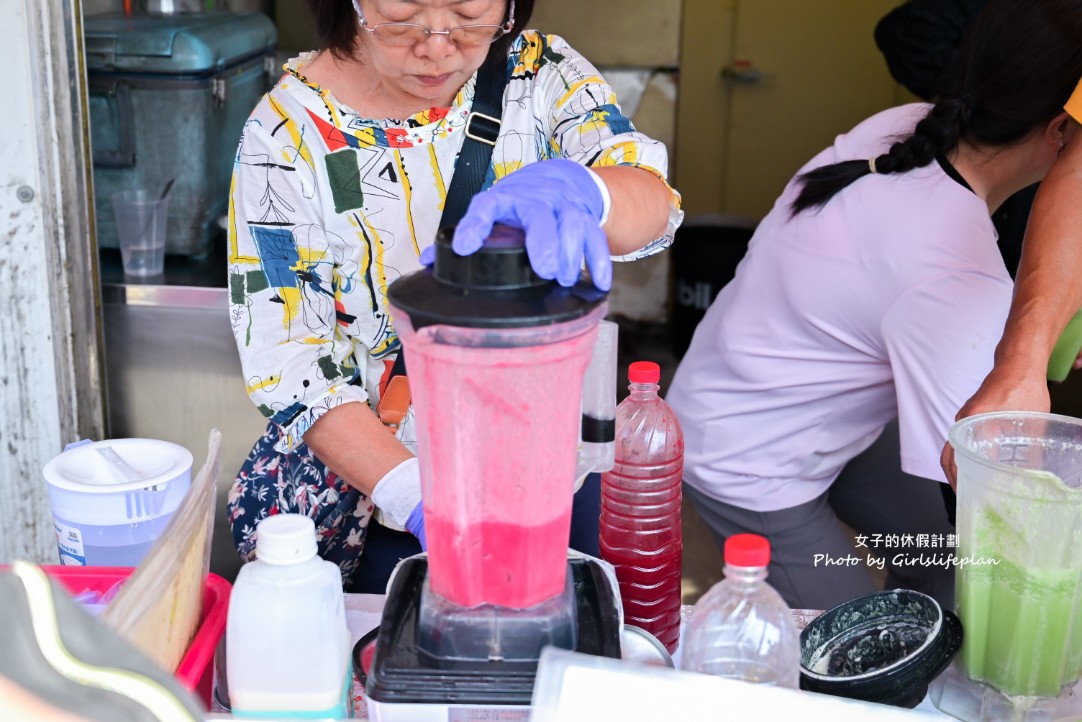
1019, 583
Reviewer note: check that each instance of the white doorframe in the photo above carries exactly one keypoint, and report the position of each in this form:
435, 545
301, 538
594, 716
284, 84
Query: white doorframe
51, 374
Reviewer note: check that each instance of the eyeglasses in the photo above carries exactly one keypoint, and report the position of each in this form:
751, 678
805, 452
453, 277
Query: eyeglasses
408, 34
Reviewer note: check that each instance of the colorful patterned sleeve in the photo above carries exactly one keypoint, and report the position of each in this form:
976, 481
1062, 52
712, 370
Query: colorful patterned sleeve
285, 270
585, 122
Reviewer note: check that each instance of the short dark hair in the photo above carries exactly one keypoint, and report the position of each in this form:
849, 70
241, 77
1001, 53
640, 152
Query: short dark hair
337, 28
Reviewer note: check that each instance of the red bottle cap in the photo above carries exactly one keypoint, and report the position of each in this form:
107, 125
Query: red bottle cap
747, 550
643, 372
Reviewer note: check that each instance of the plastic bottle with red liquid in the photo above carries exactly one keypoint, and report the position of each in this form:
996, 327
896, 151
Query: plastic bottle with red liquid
641, 531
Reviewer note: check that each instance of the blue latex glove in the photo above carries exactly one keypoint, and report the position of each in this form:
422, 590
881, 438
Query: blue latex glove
415, 525
428, 256
560, 206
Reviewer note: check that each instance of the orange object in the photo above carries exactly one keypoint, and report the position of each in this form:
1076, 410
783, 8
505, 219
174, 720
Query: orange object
196, 669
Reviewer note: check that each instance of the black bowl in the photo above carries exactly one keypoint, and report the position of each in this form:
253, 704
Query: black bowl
884, 647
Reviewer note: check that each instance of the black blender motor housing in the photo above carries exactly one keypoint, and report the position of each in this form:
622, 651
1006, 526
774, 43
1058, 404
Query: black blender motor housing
492, 288
403, 671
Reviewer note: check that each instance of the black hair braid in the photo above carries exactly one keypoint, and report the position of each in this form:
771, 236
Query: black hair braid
935, 134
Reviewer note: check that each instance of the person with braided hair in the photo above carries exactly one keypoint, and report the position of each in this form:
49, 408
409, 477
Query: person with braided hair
821, 383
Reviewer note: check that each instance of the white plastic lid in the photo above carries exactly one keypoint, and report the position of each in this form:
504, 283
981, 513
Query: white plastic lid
285, 539
115, 465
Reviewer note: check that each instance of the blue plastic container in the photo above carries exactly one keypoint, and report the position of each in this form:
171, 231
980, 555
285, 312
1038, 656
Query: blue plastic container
112, 499
169, 95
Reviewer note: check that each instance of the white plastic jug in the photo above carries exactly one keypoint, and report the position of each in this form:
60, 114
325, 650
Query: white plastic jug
287, 642
112, 499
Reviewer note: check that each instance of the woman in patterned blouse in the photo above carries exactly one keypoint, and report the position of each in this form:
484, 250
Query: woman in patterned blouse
339, 184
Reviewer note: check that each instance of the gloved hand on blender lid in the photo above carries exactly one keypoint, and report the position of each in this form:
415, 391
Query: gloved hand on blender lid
561, 205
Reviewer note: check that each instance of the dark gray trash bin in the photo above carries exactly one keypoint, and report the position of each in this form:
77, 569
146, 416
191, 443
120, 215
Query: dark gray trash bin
705, 254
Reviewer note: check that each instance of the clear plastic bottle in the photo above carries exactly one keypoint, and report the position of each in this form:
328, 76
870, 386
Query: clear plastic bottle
641, 530
287, 643
741, 628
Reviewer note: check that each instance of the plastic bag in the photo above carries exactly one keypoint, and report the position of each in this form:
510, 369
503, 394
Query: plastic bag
159, 608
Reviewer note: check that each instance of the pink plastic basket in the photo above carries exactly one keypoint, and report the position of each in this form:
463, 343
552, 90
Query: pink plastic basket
196, 669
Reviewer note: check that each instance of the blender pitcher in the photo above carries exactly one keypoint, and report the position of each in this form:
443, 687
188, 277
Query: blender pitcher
1019, 572
495, 357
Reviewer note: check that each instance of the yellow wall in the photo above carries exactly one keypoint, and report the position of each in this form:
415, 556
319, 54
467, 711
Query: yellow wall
616, 32
700, 130
798, 74
296, 29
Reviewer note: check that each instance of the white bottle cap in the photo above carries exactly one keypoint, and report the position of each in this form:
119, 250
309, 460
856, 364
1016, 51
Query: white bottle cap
285, 539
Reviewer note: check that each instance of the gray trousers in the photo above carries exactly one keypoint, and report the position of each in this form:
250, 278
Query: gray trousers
815, 563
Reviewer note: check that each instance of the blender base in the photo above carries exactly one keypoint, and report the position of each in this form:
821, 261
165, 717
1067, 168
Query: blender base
407, 682
954, 693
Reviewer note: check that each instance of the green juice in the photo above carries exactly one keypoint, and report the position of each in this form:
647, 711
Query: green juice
1066, 350
1019, 628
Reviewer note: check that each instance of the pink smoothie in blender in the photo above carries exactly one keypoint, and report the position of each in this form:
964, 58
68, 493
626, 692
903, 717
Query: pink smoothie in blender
495, 358
497, 442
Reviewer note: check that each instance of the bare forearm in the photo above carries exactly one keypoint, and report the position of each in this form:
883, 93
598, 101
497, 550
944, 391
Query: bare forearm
353, 443
640, 207
1048, 290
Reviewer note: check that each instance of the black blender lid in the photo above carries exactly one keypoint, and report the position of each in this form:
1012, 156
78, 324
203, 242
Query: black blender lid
492, 288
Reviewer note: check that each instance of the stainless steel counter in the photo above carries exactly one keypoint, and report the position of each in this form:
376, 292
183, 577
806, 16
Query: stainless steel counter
173, 372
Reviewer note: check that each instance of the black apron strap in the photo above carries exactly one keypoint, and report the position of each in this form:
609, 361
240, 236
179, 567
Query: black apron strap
471, 166
399, 366
482, 128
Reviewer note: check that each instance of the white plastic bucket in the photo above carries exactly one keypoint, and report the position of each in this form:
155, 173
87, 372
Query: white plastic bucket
112, 499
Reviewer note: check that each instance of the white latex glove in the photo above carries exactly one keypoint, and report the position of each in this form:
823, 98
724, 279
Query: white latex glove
398, 494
